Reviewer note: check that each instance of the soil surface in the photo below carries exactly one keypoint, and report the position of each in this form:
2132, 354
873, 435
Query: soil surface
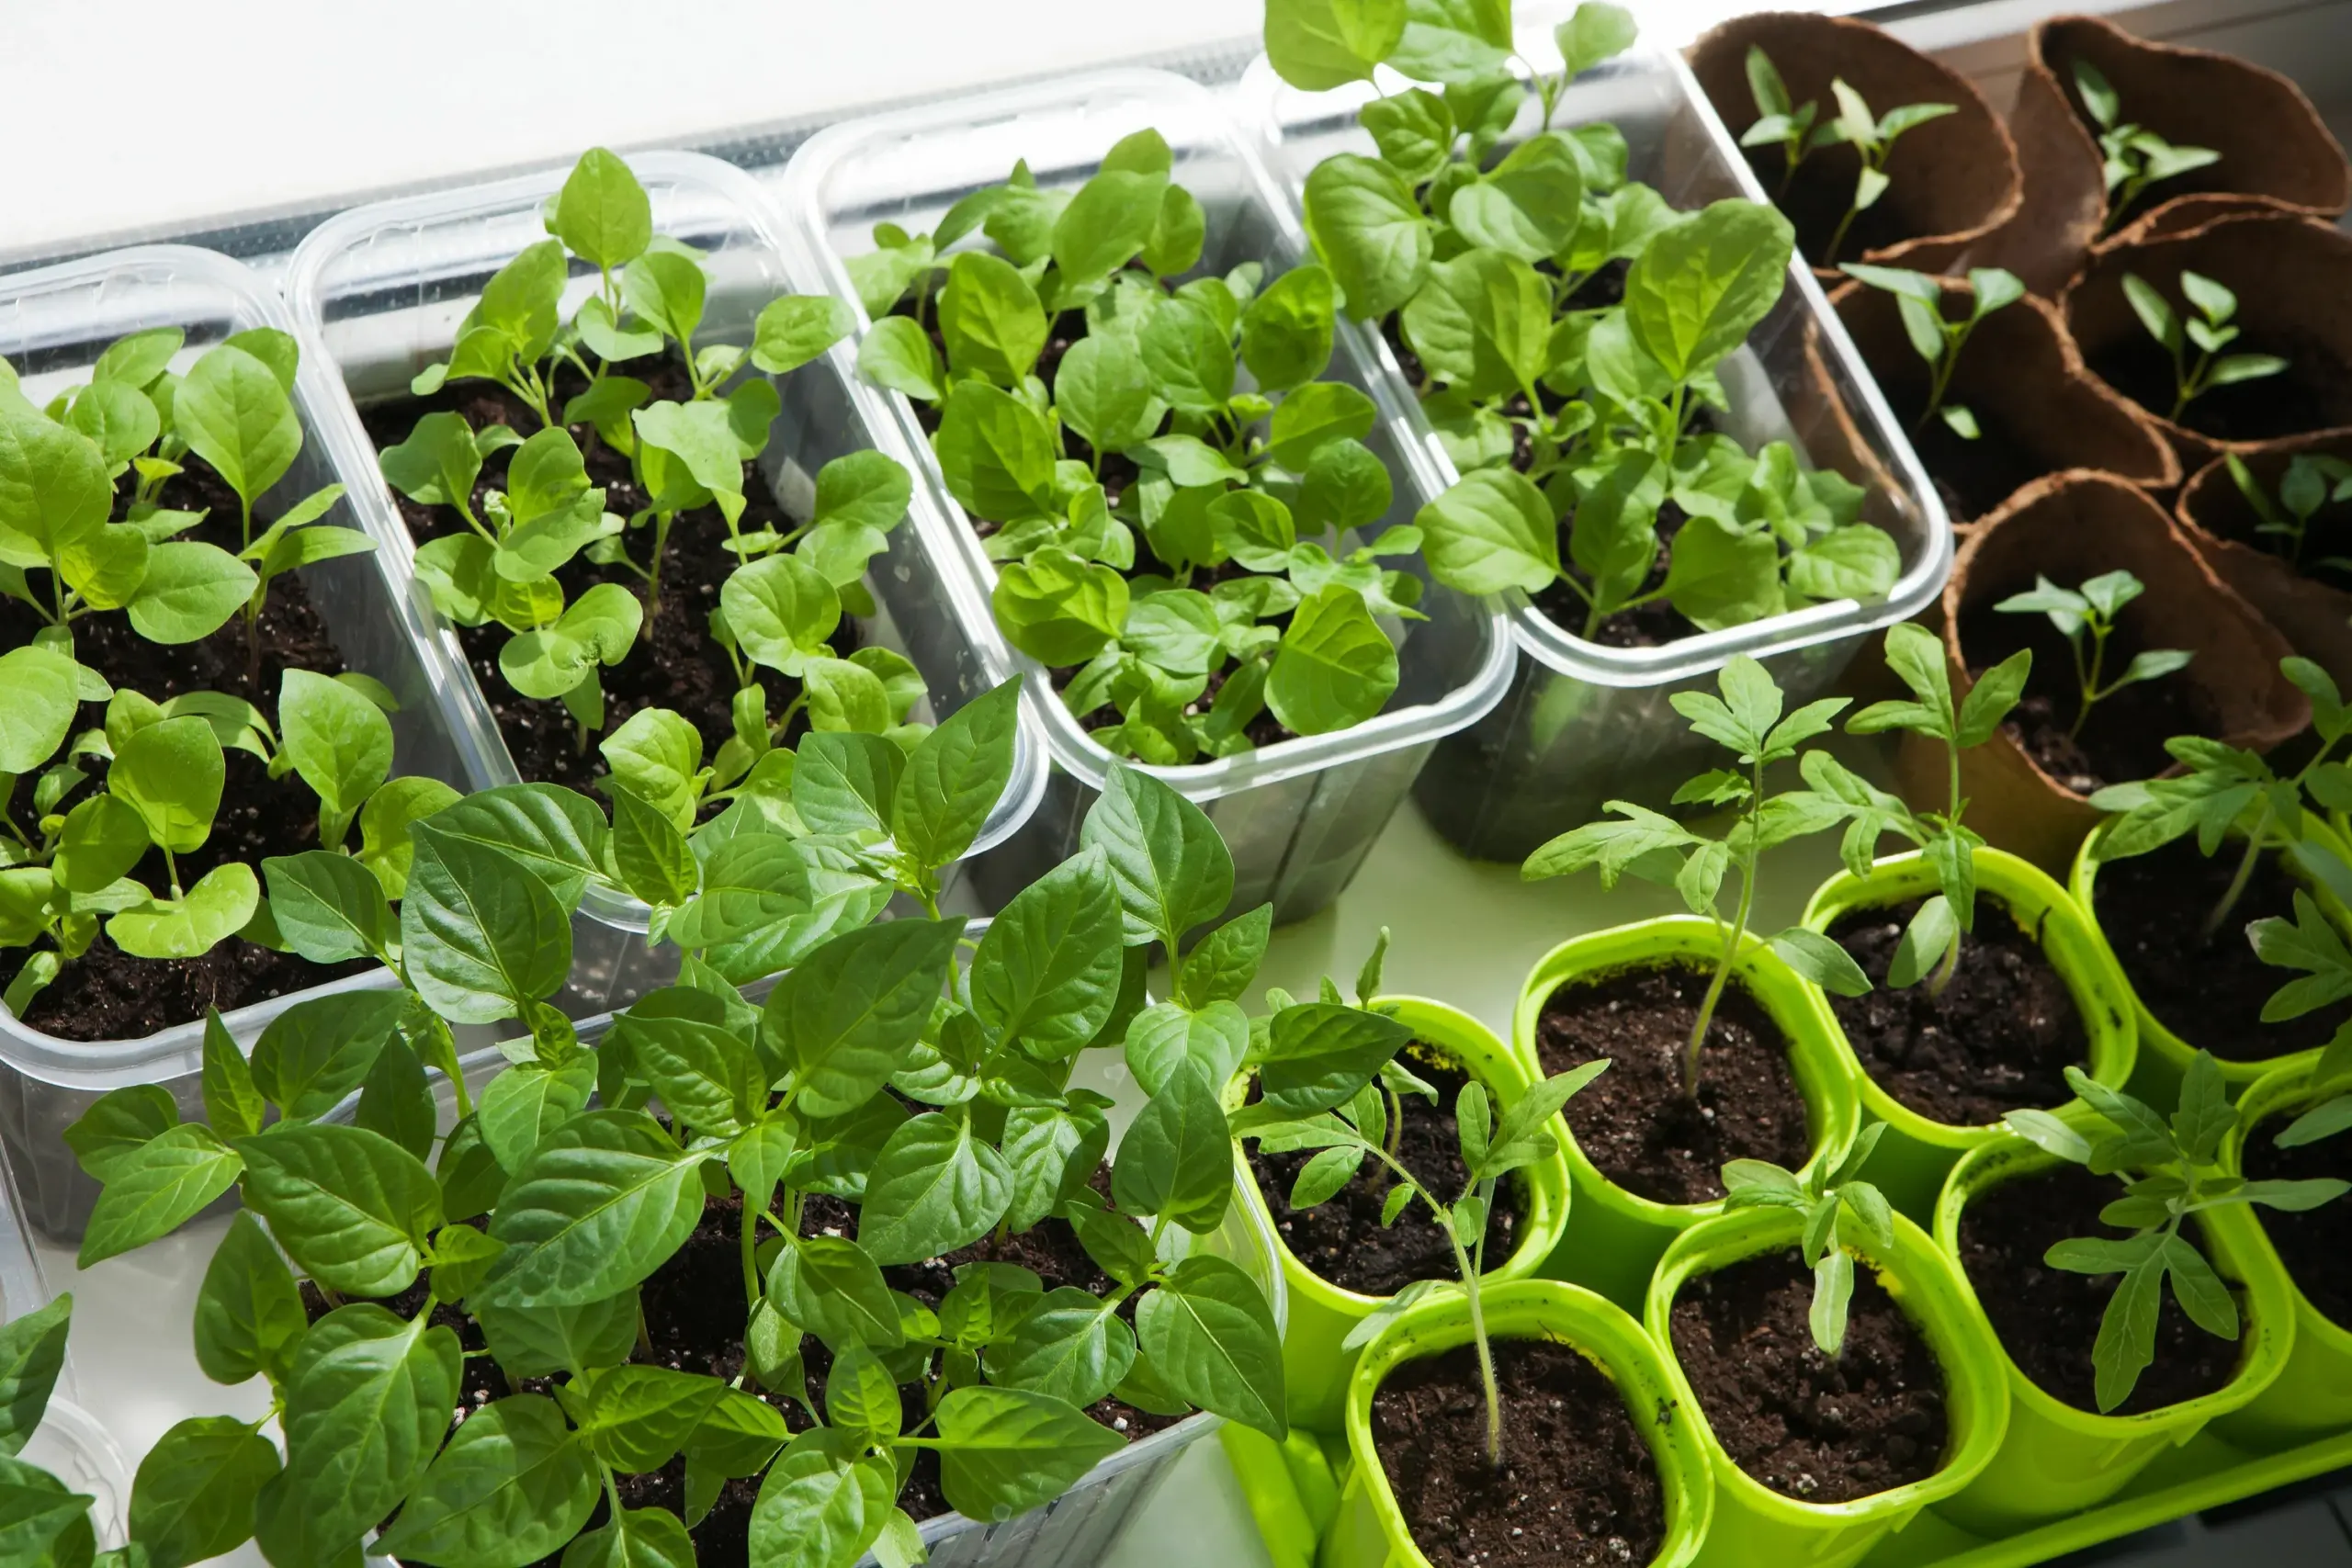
2314, 393
1999, 1039
1817, 197
1972, 476
1634, 1123
2124, 738
1579, 1484
675, 663
2048, 1319
1342, 1238
2310, 1243
2153, 908
1809, 1426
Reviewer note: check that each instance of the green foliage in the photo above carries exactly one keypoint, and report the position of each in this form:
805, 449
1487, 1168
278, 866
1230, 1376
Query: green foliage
1827, 1199
2133, 157
1918, 298
2169, 1170
1792, 128
2086, 618
2205, 329
2308, 482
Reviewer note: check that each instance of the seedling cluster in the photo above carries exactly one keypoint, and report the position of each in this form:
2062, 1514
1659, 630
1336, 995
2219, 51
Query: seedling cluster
2133, 157
1936, 338
2311, 483
2207, 331
1792, 128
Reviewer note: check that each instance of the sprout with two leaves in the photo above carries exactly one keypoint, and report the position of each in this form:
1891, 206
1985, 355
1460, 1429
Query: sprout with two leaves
2311, 480
2208, 332
2086, 618
2133, 157
1936, 338
1791, 128
1828, 1200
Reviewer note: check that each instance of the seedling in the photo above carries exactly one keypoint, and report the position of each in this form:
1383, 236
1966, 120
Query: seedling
2227, 789
1827, 1199
1791, 129
1931, 945
2310, 481
2134, 157
2310, 942
2168, 1173
1329, 1072
2209, 332
1919, 299
2087, 614
1781, 123
44, 1519
1746, 720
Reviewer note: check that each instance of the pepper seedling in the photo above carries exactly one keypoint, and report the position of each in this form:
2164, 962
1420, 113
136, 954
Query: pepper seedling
1781, 123
2133, 157
1329, 1074
2310, 481
1746, 720
2086, 618
2208, 332
2224, 790
1937, 339
2167, 1166
1827, 1199
1791, 129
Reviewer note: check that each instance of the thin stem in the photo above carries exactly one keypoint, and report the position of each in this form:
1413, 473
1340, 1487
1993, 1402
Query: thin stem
751, 1239
1485, 1351
1942, 978
2243, 875
1829, 256
1731, 940
2091, 693
172, 866
662, 521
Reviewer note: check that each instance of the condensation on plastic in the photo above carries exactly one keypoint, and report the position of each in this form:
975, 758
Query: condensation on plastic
1583, 724
1079, 1529
1299, 816
378, 292
53, 325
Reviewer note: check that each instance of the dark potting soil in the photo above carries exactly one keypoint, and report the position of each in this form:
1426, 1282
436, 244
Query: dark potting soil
1972, 476
1999, 1039
1579, 1484
1822, 1429
2314, 393
2124, 738
1634, 1123
2310, 1243
2153, 908
1817, 197
675, 663
107, 994
1342, 1238
2048, 1319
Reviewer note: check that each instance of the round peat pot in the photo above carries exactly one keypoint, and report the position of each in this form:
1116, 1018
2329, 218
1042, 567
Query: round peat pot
1619, 1235
2164, 1057
1917, 1152
1754, 1524
2311, 1397
1371, 1530
2059, 1458
1314, 1365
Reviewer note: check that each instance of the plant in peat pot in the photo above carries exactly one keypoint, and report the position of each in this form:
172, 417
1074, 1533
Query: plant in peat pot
543, 550
2132, 156
2167, 1168
2310, 483
2208, 332
891, 1111
2091, 609
1245, 614
1918, 300
1791, 129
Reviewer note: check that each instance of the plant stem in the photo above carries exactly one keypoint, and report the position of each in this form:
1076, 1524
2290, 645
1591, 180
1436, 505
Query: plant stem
1730, 940
1485, 1350
1829, 256
2088, 677
750, 1255
662, 521
2238, 881
1942, 979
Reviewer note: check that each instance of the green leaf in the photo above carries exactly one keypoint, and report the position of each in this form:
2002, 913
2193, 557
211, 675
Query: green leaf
510, 1487
601, 213
1226, 960
1335, 667
638, 1417
1701, 285
339, 742
641, 1538
1171, 868
1004, 1451
1822, 961
53, 487
995, 454
1319, 1054
897, 353
249, 1314
329, 907
153, 1191
524, 1104
221, 905
782, 612
818, 1505
1047, 970
1414, 130
649, 852
482, 938
1527, 208
1108, 221
2127, 1333
1369, 230
1316, 45
1189, 356
1162, 1039
316, 1051
937, 1187
234, 414
1285, 331
1721, 576
351, 1207
32, 1352
795, 329
666, 289
541, 1341
1176, 1161
990, 317
171, 773
1491, 531
1833, 1290
954, 776
1067, 1347
43, 1525
603, 1202
834, 1290
1059, 609
849, 1014
679, 1042
120, 1124
44, 696
193, 1497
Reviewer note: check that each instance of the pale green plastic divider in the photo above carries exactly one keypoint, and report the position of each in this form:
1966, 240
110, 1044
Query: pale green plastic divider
1917, 1152
1618, 1237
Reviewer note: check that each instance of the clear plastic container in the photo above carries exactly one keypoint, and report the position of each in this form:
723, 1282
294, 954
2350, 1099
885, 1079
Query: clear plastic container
1300, 814
379, 291
1583, 724
53, 324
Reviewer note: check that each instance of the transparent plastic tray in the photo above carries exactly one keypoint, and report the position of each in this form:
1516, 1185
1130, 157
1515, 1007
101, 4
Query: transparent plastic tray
53, 324
1299, 816
1583, 724
378, 292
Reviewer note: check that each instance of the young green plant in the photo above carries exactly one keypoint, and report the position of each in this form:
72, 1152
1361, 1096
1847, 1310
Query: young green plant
1828, 1200
2086, 618
2168, 1170
2310, 481
2133, 157
2310, 943
1936, 338
2208, 332
1791, 129
1746, 720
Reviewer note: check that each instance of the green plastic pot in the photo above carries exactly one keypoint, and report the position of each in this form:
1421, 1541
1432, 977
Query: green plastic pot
1315, 1364
1370, 1530
1619, 1235
2163, 1056
1754, 1524
1917, 1152
2059, 1460
2312, 1397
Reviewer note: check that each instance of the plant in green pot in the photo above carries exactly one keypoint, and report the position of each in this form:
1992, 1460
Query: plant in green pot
1986, 983
1840, 1380
1372, 1144
2191, 859
2131, 1292
1717, 1055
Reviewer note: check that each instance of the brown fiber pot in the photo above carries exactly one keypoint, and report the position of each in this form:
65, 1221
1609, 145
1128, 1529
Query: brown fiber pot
2307, 612
2067, 527
2293, 281
2020, 376
1953, 180
2277, 154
